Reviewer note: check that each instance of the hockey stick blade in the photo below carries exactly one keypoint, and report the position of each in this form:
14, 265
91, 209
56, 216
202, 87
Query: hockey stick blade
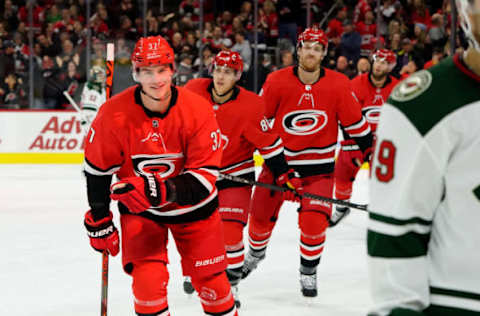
362, 207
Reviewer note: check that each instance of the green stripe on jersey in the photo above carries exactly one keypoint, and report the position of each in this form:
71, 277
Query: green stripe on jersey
436, 310
408, 245
396, 221
476, 191
428, 96
455, 293
405, 312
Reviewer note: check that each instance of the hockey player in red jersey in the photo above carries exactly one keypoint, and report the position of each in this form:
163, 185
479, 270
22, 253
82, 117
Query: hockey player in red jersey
164, 145
372, 90
241, 117
307, 102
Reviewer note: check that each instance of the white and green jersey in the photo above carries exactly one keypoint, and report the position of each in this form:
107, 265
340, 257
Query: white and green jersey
93, 96
424, 220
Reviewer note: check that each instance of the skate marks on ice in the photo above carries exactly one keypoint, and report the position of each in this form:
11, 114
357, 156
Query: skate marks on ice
49, 268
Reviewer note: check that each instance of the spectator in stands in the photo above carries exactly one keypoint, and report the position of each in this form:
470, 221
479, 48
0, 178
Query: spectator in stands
190, 8
237, 26
68, 54
390, 9
12, 96
184, 71
367, 30
127, 29
3, 31
128, 8
65, 23
204, 62
408, 69
286, 59
288, 11
350, 42
7, 59
37, 14
225, 22
219, 41
335, 26
269, 23
265, 68
53, 15
344, 67
191, 46
362, 7
419, 39
246, 15
10, 15
395, 42
437, 56
419, 13
242, 46
22, 51
76, 14
78, 36
207, 30
177, 43
363, 66
437, 33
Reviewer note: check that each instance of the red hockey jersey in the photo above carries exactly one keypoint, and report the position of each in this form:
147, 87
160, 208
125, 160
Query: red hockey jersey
306, 117
244, 128
128, 140
367, 32
372, 98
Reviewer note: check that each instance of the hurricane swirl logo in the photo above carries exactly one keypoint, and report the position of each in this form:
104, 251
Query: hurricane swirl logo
162, 165
304, 122
372, 113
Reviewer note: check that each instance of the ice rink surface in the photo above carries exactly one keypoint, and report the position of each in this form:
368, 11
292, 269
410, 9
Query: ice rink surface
48, 268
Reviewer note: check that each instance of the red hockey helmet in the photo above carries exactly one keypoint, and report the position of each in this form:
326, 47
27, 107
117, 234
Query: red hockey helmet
313, 35
386, 55
228, 59
152, 50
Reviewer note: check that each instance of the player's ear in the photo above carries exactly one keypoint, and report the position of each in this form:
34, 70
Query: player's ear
134, 74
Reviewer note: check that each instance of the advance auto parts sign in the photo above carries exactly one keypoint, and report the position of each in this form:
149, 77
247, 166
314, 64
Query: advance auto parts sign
24, 132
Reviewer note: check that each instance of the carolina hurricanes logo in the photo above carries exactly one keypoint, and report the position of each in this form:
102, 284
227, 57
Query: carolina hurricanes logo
372, 113
304, 122
162, 165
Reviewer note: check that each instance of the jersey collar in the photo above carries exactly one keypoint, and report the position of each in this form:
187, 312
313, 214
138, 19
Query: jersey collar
234, 95
386, 83
460, 63
173, 101
322, 74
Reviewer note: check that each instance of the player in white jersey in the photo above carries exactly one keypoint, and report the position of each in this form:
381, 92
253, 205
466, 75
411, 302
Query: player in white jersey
93, 95
424, 219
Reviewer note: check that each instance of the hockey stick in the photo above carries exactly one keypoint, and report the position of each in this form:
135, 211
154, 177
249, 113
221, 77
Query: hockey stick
77, 108
104, 294
362, 207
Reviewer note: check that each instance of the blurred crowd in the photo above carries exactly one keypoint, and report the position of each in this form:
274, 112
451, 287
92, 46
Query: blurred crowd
416, 30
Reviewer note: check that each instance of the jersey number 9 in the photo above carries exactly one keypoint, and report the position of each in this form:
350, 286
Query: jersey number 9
386, 160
